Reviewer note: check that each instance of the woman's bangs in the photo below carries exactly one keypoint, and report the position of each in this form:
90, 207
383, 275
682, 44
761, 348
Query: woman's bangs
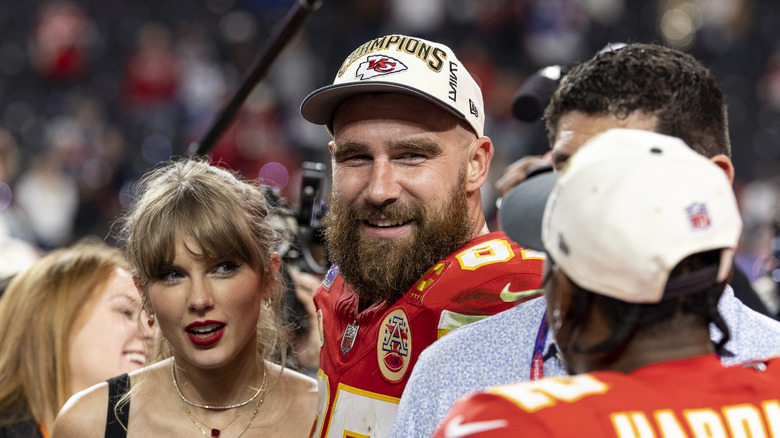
219, 232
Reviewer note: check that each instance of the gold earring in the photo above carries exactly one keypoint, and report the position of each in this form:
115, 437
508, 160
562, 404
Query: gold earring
268, 303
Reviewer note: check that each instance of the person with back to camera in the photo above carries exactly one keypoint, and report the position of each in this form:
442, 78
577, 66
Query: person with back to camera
640, 233
640, 86
200, 247
67, 322
412, 255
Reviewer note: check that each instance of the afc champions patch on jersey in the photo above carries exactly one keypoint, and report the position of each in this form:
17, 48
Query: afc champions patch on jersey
327, 282
394, 346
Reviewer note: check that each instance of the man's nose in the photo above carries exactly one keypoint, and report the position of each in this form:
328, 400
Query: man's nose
383, 186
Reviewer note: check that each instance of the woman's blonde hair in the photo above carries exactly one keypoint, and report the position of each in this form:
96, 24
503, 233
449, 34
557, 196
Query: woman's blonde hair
37, 314
225, 215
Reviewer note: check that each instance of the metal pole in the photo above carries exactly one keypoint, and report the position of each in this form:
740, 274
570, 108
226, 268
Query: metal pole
293, 21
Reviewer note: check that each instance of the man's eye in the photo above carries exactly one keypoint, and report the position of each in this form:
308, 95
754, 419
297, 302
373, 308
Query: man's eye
354, 159
411, 157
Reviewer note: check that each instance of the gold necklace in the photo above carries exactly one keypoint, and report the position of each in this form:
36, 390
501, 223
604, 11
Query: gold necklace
237, 405
215, 433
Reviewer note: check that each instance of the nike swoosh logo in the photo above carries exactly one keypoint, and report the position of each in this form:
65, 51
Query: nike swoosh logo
508, 296
456, 429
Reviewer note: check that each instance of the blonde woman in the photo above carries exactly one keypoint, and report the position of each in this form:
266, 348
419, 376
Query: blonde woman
67, 322
201, 250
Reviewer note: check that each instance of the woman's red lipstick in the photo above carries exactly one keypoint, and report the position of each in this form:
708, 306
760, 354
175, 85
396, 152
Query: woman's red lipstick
205, 333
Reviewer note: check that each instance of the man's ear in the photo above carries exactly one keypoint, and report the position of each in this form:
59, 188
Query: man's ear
480, 154
725, 164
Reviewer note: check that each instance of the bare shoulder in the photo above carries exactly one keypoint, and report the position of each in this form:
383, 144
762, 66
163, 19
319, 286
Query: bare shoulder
299, 383
298, 391
293, 404
84, 414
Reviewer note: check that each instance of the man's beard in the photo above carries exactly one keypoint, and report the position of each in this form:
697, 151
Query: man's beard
384, 269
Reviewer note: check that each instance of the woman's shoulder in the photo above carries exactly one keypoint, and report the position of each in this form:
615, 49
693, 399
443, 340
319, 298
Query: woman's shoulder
84, 414
301, 389
293, 400
295, 378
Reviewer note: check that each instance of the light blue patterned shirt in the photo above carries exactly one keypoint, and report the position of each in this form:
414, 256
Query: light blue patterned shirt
498, 350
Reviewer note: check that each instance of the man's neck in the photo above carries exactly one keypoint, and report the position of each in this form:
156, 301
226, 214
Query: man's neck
691, 340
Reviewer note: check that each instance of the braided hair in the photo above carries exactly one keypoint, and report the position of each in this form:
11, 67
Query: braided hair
627, 320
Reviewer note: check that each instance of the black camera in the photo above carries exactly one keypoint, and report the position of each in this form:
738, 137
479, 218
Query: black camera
301, 243
309, 252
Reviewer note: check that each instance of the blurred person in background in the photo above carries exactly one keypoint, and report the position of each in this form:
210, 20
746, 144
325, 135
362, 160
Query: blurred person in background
758, 254
48, 196
61, 40
150, 82
16, 251
67, 322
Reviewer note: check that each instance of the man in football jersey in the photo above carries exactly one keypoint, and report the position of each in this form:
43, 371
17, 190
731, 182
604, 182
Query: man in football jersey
640, 233
413, 257
641, 86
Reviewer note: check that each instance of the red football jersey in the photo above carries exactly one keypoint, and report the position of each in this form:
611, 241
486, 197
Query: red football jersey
695, 397
367, 357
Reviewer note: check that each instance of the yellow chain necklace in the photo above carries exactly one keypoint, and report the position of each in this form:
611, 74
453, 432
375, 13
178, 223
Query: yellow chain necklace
203, 406
215, 433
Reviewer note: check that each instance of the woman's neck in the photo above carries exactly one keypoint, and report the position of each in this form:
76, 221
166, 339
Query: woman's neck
227, 385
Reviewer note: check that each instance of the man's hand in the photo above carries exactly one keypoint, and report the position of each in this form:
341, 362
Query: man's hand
516, 172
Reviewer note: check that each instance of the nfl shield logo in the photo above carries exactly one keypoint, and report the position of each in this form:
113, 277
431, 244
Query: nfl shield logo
697, 213
350, 333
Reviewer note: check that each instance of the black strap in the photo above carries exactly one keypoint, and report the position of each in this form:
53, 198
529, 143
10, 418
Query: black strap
117, 418
691, 282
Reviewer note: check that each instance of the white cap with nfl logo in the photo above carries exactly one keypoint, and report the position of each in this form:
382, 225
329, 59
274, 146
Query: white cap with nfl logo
401, 64
629, 206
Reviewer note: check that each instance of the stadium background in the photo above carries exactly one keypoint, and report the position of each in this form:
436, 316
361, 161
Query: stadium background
94, 92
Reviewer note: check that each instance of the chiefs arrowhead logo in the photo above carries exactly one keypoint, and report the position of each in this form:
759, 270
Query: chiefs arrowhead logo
378, 65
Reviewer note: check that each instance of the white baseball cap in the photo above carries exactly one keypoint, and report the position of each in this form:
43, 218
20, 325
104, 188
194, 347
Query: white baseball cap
629, 206
401, 64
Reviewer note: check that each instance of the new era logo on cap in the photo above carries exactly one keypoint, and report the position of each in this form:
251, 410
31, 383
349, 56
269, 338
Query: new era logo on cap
378, 65
473, 108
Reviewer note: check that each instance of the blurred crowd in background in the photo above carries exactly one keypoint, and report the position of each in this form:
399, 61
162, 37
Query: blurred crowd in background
95, 92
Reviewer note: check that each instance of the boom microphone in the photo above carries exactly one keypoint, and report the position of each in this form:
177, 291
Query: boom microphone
293, 21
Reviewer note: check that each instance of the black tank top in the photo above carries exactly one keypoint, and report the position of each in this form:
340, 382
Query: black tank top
116, 422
